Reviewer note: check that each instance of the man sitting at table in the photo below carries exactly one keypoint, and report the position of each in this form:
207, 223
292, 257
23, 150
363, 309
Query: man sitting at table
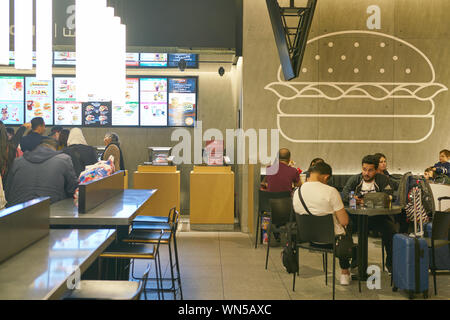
40, 173
322, 199
371, 181
284, 177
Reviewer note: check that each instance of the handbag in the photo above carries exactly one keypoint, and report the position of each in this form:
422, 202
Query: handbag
2, 195
344, 242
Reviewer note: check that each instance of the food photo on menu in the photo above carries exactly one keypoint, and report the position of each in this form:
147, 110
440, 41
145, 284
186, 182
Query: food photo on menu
97, 114
39, 100
182, 101
67, 110
153, 105
128, 114
11, 100
64, 58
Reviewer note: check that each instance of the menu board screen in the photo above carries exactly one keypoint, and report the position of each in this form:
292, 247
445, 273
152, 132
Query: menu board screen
39, 100
11, 99
132, 59
190, 58
182, 101
128, 115
67, 109
96, 114
11, 58
153, 105
64, 58
153, 60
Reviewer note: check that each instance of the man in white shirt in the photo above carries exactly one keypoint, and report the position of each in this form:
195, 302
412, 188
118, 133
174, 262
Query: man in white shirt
322, 199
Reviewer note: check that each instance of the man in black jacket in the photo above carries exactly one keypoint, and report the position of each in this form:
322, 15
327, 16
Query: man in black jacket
371, 181
33, 139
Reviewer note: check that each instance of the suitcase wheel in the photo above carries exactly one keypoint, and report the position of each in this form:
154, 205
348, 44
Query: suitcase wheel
394, 289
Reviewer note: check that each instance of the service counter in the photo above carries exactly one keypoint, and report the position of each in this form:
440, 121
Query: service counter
212, 198
166, 179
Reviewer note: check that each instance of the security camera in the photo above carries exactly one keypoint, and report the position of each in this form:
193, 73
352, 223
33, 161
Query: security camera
182, 64
221, 71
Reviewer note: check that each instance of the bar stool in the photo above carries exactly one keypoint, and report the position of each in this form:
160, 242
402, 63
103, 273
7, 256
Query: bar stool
154, 219
133, 251
109, 290
151, 237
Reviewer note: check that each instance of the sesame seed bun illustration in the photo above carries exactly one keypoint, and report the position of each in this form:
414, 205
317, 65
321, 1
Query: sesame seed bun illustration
358, 87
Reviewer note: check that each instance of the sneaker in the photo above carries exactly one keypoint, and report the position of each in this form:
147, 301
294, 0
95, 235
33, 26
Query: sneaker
345, 279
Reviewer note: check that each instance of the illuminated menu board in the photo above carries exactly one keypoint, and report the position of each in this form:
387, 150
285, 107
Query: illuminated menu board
153, 60
128, 115
67, 109
39, 100
96, 114
190, 58
153, 104
132, 59
64, 58
182, 101
11, 100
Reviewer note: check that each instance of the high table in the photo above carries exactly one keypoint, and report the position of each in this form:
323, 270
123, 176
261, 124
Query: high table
41, 270
116, 213
363, 214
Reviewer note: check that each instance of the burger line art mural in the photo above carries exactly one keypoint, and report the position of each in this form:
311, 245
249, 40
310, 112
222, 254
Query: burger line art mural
355, 83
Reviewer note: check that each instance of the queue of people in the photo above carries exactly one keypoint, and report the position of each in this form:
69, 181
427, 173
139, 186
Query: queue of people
322, 199
34, 165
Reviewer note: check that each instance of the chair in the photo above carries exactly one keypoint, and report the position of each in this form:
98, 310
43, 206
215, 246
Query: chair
280, 214
109, 290
440, 237
154, 219
151, 237
133, 251
264, 207
318, 229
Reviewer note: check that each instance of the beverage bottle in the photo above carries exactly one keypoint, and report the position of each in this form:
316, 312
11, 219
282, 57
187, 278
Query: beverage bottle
352, 200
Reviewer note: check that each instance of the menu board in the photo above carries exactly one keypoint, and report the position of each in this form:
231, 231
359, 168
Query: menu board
67, 109
182, 101
153, 104
11, 99
39, 100
132, 59
128, 115
153, 60
190, 58
11, 58
96, 114
64, 58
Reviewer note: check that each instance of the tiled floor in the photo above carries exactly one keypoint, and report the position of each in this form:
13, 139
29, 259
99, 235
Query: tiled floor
225, 266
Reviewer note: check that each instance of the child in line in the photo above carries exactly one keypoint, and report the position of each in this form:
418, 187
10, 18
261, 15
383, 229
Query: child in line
443, 166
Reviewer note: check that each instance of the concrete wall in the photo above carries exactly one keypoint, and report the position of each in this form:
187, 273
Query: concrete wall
386, 87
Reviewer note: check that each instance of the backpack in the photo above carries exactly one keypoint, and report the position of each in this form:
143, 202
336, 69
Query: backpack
289, 255
416, 186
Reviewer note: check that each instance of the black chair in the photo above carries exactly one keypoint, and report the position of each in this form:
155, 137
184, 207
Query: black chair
133, 251
440, 237
281, 212
264, 208
317, 229
109, 290
154, 219
151, 237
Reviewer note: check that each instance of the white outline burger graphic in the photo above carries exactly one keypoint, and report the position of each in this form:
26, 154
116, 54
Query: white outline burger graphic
357, 82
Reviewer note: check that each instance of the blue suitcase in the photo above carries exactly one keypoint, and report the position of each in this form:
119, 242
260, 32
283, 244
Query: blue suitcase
442, 254
410, 265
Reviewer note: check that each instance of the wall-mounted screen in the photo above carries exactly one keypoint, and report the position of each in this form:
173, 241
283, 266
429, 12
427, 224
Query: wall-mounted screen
132, 59
39, 100
67, 109
182, 101
153, 59
153, 105
11, 99
128, 115
190, 58
64, 58
96, 114
11, 58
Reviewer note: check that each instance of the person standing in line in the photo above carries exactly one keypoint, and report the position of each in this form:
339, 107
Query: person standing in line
112, 144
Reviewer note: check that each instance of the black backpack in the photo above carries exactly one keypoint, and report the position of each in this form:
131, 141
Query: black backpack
289, 255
